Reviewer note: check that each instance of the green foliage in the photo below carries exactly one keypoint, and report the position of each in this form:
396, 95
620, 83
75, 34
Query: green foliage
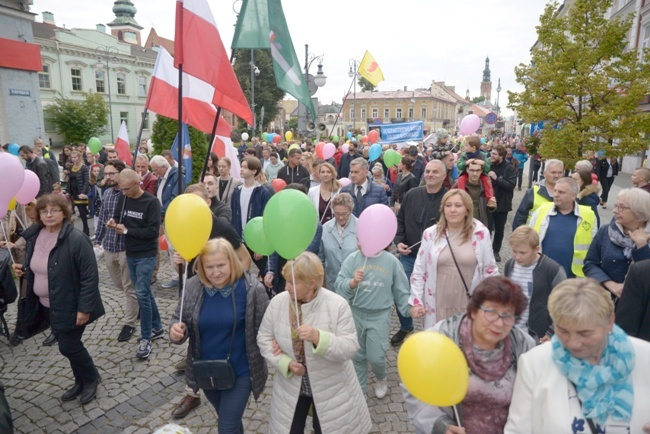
163, 133
583, 83
365, 85
478, 99
267, 94
293, 124
78, 121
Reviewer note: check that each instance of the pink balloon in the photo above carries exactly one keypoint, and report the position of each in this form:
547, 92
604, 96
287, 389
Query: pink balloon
303, 146
345, 148
29, 190
328, 151
13, 175
376, 229
344, 181
470, 124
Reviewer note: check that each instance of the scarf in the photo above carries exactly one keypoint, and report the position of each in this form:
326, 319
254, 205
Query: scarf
604, 389
621, 240
488, 371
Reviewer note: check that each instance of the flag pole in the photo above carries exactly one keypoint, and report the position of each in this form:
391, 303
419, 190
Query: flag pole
214, 132
346, 97
180, 159
137, 143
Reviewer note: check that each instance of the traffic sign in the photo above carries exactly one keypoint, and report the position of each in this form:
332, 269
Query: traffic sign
490, 118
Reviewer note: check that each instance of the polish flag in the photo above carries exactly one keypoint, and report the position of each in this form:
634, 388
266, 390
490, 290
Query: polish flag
198, 110
223, 147
122, 146
198, 47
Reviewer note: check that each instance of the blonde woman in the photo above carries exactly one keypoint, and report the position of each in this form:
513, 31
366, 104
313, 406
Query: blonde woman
455, 256
321, 195
227, 184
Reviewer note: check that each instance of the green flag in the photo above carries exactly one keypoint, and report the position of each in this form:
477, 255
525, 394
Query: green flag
261, 24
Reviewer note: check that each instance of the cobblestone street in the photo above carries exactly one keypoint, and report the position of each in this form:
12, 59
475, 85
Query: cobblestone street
138, 396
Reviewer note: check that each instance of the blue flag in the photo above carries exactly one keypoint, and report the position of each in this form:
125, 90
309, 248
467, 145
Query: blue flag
186, 163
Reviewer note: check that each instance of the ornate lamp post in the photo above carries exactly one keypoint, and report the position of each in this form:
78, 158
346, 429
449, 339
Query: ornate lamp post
354, 67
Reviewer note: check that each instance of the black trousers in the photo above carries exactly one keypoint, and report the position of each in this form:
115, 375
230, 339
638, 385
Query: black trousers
73, 349
520, 178
300, 416
497, 223
607, 185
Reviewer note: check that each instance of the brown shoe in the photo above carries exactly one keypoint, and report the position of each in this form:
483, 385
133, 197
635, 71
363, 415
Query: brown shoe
186, 405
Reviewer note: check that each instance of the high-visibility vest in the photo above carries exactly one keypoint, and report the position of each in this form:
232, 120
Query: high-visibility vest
582, 238
46, 152
538, 200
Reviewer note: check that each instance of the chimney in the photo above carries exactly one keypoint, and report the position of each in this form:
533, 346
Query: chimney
48, 18
405, 89
101, 28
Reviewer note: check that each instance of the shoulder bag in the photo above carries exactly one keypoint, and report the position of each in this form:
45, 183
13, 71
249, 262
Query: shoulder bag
457, 267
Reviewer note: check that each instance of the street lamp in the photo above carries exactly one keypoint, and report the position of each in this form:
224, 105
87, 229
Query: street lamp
498, 92
412, 117
104, 54
313, 82
255, 71
354, 67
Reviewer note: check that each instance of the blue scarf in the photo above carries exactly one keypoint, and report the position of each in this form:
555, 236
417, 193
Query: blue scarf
605, 389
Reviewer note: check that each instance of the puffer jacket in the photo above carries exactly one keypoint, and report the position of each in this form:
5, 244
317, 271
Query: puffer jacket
335, 388
256, 303
589, 196
374, 194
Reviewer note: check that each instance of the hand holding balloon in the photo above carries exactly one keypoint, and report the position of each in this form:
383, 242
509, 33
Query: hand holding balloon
357, 279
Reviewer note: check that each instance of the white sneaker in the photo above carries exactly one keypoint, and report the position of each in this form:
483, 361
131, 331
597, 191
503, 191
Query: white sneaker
381, 388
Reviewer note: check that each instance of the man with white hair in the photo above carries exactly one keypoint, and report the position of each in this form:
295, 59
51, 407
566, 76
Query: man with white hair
539, 194
587, 166
364, 192
565, 228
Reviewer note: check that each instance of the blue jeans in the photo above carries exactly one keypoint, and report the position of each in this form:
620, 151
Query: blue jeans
230, 405
141, 271
406, 323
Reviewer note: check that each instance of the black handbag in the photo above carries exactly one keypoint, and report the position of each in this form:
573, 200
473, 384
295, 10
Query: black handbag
217, 374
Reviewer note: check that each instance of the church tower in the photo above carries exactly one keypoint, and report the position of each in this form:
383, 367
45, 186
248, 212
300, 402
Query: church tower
486, 84
124, 26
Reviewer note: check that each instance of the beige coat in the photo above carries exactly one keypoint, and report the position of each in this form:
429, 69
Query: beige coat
338, 399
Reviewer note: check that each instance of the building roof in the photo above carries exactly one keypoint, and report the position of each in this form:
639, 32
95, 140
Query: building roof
155, 40
401, 94
45, 31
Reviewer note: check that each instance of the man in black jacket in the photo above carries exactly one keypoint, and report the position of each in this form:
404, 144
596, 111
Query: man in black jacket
633, 308
294, 171
346, 159
504, 178
39, 167
420, 209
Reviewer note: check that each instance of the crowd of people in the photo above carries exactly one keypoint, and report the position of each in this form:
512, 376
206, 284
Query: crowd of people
558, 343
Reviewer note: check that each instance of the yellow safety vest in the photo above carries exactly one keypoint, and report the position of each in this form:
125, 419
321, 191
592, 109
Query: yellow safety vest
538, 200
582, 238
46, 152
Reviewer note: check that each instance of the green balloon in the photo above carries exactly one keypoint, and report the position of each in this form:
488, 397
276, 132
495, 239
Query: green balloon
392, 157
255, 237
335, 138
94, 145
265, 137
290, 222
359, 136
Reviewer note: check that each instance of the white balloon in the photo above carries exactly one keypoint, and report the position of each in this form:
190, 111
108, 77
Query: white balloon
244, 136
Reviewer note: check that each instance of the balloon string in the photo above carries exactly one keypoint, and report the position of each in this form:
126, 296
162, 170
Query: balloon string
19, 220
2, 224
457, 416
410, 247
180, 314
357, 291
295, 294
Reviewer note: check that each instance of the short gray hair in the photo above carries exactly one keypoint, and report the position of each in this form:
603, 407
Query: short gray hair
439, 163
361, 162
572, 183
583, 165
639, 202
159, 161
553, 162
580, 301
143, 157
343, 199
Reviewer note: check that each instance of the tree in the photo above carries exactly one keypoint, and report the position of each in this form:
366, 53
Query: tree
478, 99
292, 124
78, 121
163, 133
267, 93
365, 85
583, 84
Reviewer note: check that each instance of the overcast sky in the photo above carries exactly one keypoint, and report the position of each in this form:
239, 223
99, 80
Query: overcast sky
413, 41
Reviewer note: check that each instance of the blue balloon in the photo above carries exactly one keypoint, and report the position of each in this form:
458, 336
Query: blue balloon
270, 136
483, 140
13, 148
374, 152
349, 134
353, 140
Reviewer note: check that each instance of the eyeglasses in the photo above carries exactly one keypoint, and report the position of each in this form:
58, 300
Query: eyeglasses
53, 211
492, 316
621, 207
474, 170
341, 214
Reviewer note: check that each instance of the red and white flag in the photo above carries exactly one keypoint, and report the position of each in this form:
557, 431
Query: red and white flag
122, 146
198, 110
198, 47
223, 147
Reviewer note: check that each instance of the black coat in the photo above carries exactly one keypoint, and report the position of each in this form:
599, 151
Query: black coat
504, 185
73, 280
603, 167
633, 308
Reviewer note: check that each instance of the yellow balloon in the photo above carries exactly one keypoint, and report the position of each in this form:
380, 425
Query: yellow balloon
12, 204
294, 146
288, 135
433, 368
188, 223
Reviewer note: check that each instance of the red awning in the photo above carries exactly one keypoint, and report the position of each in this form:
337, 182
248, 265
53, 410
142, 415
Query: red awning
20, 55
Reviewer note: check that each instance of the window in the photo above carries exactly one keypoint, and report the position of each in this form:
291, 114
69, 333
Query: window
121, 84
375, 113
363, 113
645, 42
100, 81
145, 123
351, 112
124, 117
44, 77
142, 86
424, 112
410, 112
386, 113
398, 113
76, 79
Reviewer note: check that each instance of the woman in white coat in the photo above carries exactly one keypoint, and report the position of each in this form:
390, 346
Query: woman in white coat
321, 195
591, 377
312, 352
455, 256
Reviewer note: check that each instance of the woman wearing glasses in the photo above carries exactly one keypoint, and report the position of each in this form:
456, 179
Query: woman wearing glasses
491, 345
62, 289
339, 238
622, 241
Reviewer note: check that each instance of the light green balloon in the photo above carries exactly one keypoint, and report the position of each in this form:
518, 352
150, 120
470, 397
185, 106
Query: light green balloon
335, 138
95, 145
290, 223
255, 237
392, 157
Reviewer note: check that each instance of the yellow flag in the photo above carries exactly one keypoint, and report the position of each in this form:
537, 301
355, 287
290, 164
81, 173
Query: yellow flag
370, 70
